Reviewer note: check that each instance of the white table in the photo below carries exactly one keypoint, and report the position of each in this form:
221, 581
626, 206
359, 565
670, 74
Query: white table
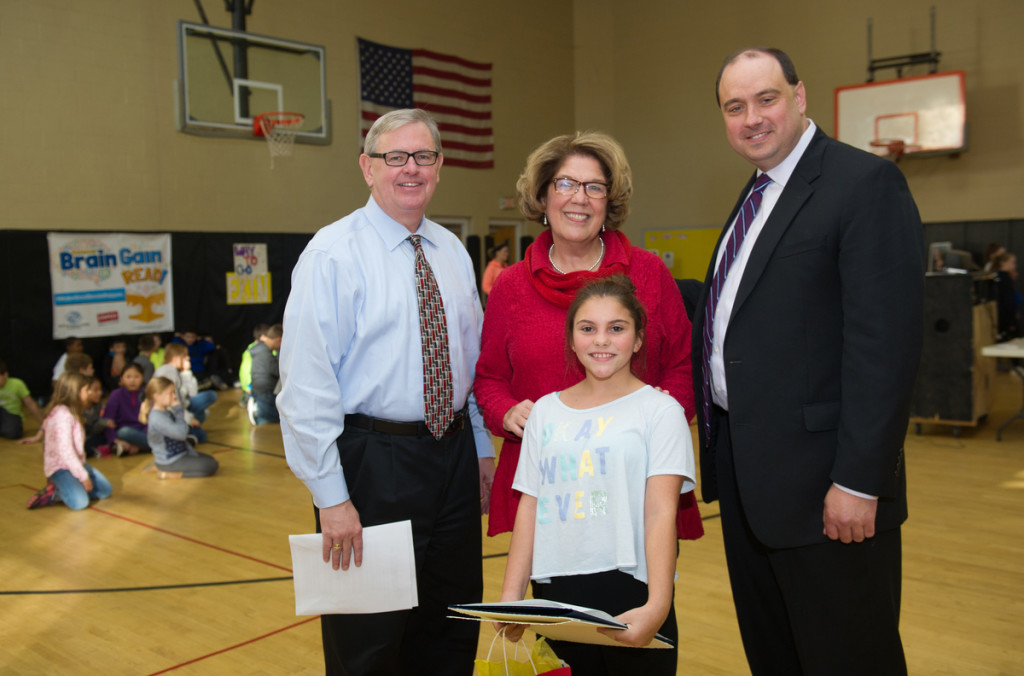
1013, 349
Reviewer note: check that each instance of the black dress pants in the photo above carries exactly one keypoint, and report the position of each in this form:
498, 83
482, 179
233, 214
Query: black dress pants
435, 484
828, 609
614, 592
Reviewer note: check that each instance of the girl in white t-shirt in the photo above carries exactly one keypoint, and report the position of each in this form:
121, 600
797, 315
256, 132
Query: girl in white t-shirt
603, 463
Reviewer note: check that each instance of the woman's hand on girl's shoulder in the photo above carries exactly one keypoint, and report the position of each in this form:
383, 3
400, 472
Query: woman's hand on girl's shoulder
515, 418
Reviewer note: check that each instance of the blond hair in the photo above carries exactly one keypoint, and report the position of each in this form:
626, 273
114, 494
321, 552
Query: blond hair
156, 385
68, 392
396, 119
175, 350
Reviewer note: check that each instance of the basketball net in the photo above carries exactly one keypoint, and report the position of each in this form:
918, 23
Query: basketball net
894, 148
279, 129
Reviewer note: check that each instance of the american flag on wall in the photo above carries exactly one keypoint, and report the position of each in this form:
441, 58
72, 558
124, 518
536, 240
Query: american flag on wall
456, 93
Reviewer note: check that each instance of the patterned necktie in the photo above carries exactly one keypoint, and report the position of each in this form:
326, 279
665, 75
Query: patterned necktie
730, 248
437, 368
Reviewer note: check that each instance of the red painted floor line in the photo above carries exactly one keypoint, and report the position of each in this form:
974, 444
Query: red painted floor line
188, 539
5, 487
237, 645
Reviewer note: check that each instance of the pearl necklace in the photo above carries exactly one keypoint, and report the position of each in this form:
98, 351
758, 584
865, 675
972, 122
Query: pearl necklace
600, 256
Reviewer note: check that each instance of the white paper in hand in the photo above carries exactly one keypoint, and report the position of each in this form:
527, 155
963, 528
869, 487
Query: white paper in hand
386, 581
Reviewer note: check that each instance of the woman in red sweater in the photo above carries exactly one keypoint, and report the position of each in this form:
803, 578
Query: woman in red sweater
579, 186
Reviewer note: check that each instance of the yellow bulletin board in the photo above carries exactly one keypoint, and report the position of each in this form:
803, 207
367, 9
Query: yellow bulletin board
685, 252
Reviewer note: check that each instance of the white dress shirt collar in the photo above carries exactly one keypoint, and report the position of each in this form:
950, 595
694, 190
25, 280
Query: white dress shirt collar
393, 233
780, 174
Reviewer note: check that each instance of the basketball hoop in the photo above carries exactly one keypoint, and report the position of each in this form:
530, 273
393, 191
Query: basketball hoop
279, 129
895, 148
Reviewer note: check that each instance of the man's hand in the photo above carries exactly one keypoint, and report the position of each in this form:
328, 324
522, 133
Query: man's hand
515, 418
340, 526
486, 479
847, 517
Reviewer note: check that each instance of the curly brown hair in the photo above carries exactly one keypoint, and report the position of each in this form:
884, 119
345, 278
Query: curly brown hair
543, 162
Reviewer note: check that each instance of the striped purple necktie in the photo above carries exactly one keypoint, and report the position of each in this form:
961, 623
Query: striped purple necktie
437, 366
731, 247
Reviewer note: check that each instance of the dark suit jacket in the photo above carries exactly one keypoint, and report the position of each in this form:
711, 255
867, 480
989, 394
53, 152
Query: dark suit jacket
690, 290
822, 347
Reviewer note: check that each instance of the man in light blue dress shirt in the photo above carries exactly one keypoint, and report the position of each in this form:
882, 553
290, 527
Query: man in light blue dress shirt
352, 406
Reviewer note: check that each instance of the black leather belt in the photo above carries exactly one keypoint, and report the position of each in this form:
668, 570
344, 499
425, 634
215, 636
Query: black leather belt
405, 429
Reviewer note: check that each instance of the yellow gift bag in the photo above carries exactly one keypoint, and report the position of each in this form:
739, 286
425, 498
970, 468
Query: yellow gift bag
542, 661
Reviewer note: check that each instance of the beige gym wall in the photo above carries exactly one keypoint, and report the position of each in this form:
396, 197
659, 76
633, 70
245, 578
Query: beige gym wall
89, 138
646, 72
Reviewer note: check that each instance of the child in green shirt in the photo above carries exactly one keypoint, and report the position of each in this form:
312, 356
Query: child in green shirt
14, 395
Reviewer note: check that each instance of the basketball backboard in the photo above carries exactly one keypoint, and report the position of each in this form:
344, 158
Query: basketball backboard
228, 77
927, 113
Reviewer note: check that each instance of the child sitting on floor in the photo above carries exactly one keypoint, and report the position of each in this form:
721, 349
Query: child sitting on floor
245, 367
89, 414
147, 346
113, 364
92, 418
14, 395
157, 355
127, 435
168, 434
177, 368
79, 362
265, 378
71, 346
69, 478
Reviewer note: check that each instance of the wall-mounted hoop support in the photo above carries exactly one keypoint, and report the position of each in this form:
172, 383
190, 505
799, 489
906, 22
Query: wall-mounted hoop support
900, 62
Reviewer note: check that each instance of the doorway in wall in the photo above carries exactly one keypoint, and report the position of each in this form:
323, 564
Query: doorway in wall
505, 230
458, 225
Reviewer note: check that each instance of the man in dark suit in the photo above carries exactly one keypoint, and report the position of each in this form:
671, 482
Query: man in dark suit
806, 343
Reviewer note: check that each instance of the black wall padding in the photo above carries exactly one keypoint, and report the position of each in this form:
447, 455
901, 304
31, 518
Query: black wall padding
200, 262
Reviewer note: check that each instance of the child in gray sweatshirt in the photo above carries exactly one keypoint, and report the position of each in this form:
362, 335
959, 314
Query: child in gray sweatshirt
168, 433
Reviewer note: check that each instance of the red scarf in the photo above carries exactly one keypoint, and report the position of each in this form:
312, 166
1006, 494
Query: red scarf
560, 289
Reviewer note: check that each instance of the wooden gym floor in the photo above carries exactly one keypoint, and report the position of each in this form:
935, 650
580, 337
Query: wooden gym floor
193, 576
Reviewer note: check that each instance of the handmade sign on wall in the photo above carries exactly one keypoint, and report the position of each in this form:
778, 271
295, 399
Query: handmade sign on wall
249, 282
